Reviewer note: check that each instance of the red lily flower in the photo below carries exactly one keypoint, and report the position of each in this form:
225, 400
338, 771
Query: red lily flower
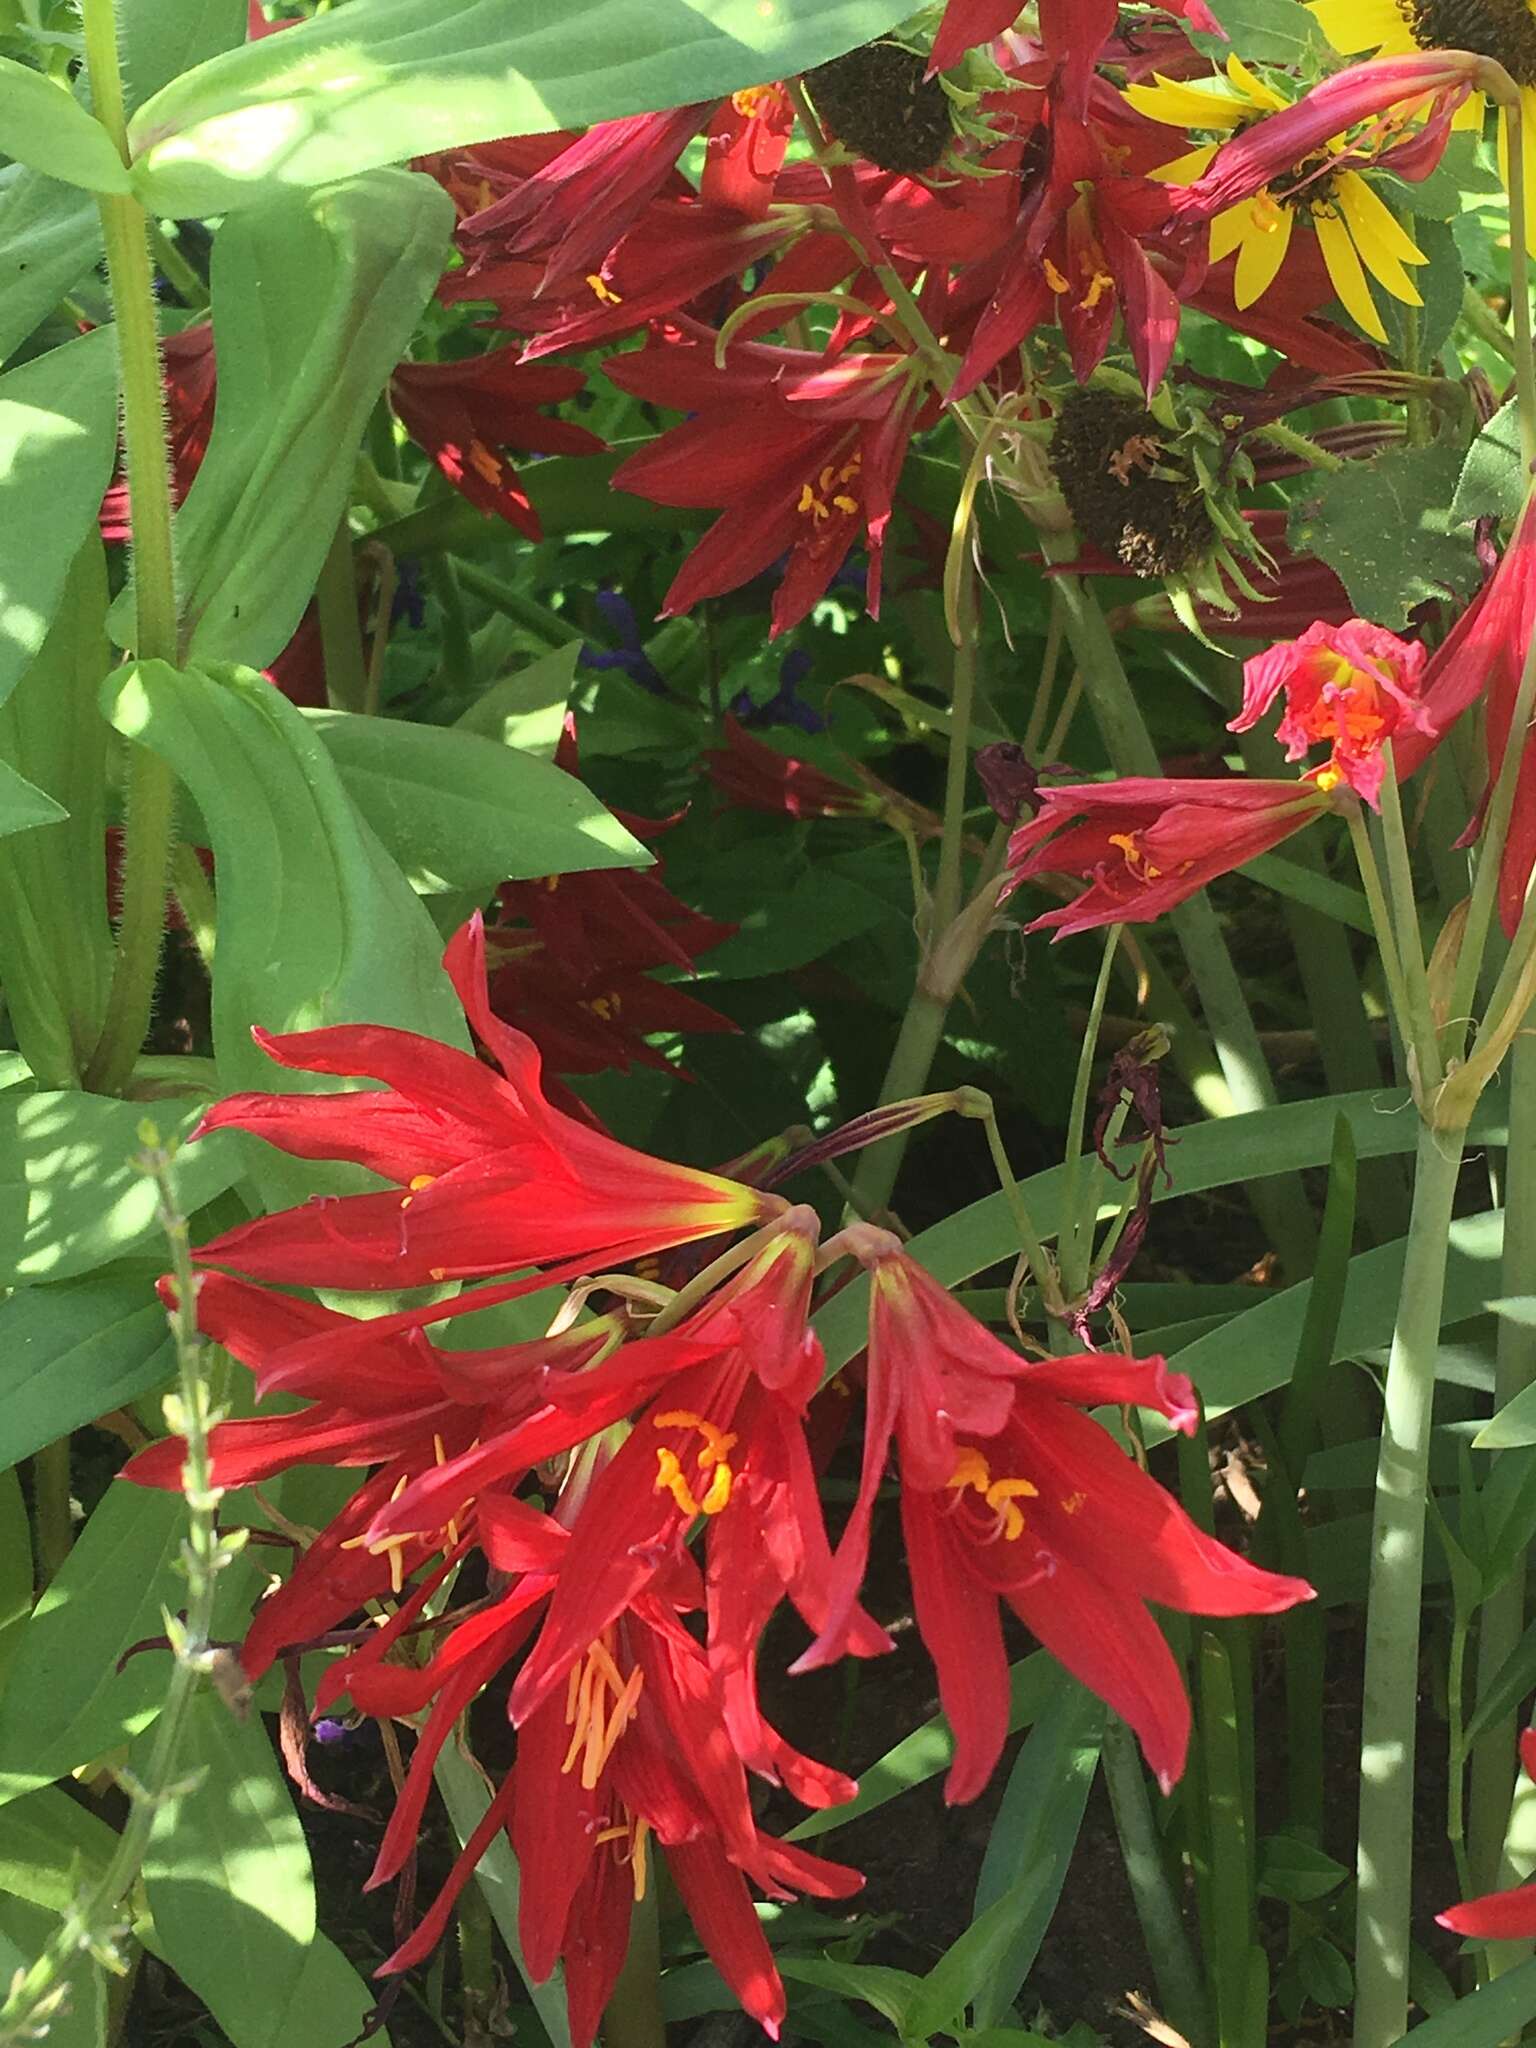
190, 381
1353, 686
760, 778
745, 150
724, 1440
1482, 656
803, 451
1500, 1916
464, 414
1009, 1492
495, 1178
632, 1748
1145, 843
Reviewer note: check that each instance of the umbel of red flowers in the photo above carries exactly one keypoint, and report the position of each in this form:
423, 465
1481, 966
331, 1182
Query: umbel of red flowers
672, 1430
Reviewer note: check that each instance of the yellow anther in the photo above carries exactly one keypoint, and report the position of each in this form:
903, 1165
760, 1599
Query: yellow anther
809, 503
845, 504
718, 1443
483, 462
602, 291
418, 1181
669, 1479
971, 1470
1002, 1496
1073, 1502
1054, 278
1101, 282
1135, 859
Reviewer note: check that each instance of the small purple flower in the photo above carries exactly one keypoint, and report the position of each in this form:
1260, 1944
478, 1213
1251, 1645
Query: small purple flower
630, 654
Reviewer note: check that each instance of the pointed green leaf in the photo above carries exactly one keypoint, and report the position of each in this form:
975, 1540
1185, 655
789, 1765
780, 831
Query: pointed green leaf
50, 236
72, 1351
458, 811
163, 38
346, 92
43, 125
51, 1848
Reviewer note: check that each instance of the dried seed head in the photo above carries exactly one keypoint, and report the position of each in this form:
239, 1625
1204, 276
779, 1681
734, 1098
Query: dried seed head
1104, 452
876, 100
1502, 29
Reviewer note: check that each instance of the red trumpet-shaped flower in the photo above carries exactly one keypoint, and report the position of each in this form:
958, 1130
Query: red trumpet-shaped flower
1010, 1493
1500, 1916
760, 778
802, 450
724, 1442
488, 1177
1352, 688
631, 1750
466, 414
1144, 844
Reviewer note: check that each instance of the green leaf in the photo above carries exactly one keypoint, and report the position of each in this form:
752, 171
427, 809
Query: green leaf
315, 296
527, 710
228, 1877
15, 1569
464, 1794
889, 1992
459, 811
25, 1930
56, 947
316, 924
781, 928
1509, 1685
1319, 892
1265, 31
1494, 477
163, 38
58, 437
931, 1749
71, 1197
399, 78
1495, 2012
1516, 1308
51, 1848
1324, 1972
64, 1701
43, 125
23, 806
1032, 1839
1224, 1151
1382, 527
70, 1352
1296, 1871
50, 237
1514, 1425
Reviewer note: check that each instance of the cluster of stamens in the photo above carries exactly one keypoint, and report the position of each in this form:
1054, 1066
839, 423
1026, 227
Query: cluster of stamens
972, 1474
818, 500
710, 1459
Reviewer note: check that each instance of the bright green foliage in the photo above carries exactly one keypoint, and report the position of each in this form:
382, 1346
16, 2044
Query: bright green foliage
44, 126
75, 1350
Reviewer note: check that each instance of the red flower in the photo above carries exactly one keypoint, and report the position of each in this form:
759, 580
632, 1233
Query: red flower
745, 150
1144, 844
760, 778
1352, 687
1482, 656
464, 414
494, 1177
723, 1440
802, 450
1500, 1916
632, 1748
1009, 1492
189, 395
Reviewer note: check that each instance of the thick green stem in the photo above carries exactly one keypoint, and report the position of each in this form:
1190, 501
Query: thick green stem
1502, 1620
1179, 1983
633, 2018
341, 637
150, 811
1074, 1240
1388, 1727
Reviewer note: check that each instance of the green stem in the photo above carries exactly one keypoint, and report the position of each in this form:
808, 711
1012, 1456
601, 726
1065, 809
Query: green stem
198, 904
1503, 1615
1179, 1985
341, 638
1074, 1237
174, 267
632, 2017
1045, 688
1381, 914
1418, 1022
1042, 1270
1485, 323
150, 811
546, 625
1388, 1727
946, 893
1519, 263
1312, 453
50, 1503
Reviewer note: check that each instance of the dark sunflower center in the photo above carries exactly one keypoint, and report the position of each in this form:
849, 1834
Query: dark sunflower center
1103, 454
1502, 29
877, 101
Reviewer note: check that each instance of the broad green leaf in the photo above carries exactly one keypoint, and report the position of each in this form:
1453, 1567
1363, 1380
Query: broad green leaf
1383, 528
1515, 1424
1305, 885
1495, 2012
1306, 1396
931, 1749
56, 947
52, 1848
228, 1877
398, 78
1231, 1150
23, 806
938, 2005
65, 1702
1509, 1685
73, 1350
163, 38
49, 238
317, 925
1265, 31
58, 438
459, 811
315, 296
1032, 1839
781, 928
464, 1794
44, 126
1494, 477
1516, 1308
890, 1992
1295, 1871
24, 1931
527, 710
71, 1197
15, 1569
328, 2007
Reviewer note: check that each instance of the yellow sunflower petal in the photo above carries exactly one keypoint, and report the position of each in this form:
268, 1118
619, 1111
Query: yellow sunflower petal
1254, 90
1266, 237
1227, 230
1379, 236
1346, 274
1355, 25
1203, 105
1183, 170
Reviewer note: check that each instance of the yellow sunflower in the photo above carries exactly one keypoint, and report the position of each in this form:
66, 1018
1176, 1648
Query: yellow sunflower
1356, 230
1502, 29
